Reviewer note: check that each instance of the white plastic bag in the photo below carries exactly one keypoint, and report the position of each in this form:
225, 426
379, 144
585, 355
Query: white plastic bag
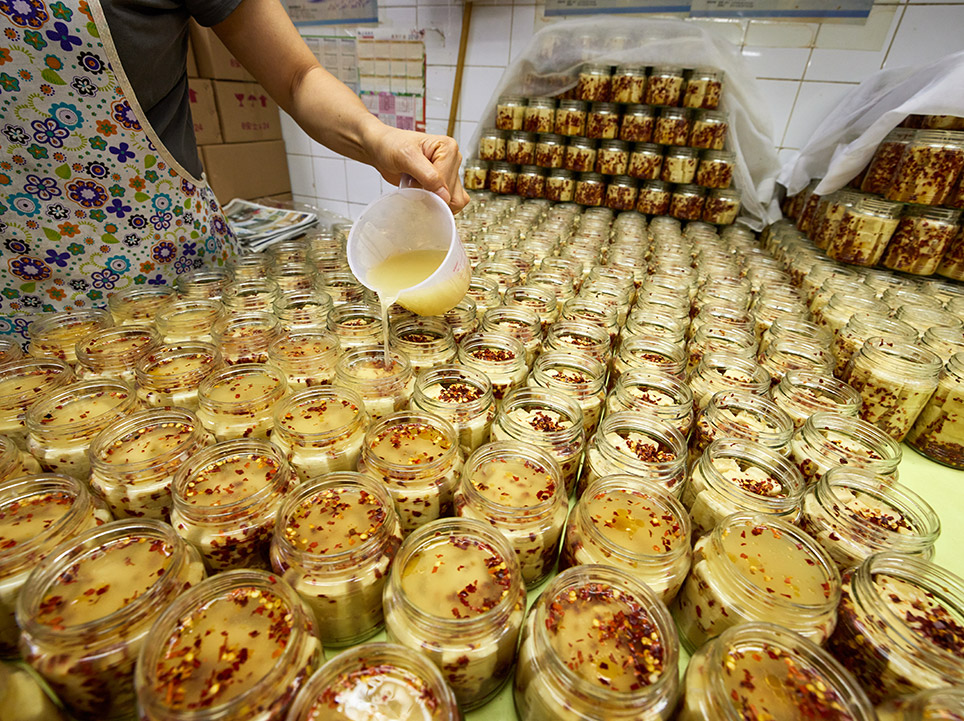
550, 65
844, 143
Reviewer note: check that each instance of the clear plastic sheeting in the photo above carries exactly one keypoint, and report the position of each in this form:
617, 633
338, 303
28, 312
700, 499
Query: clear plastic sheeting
845, 141
550, 65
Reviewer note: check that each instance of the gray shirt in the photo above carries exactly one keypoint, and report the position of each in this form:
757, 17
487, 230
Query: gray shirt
151, 40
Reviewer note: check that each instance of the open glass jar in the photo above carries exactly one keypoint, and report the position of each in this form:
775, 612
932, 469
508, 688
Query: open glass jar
55, 335
23, 383
170, 375
938, 432
383, 379
802, 393
829, 439
238, 401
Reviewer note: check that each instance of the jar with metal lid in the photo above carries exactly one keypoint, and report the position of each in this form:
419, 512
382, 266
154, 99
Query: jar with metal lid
854, 513
929, 166
645, 162
170, 375
638, 123
629, 84
590, 189
510, 112
570, 665
203, 283
723, 371
531, 182
237, 646
226, 499
864, 231
134, 459
55, 335
763, 666
742, 415
686, 202
546, 419
578, 376
560, 186
462, 396
621, 193
861, 327
895, 381
381, 678
594, 84
703, 88
237, 402
550, 151
473, 642
383, 379
250, 296
679, 166
139, 304
921, 238
653, 197
518, 489
63, 423
492, 144
664, 86
183, 321
539, 115
708, 130
602, 121
752, 567
612, 158
37, 514
503, 178
829, 439
672, 126
938, 432
571, 118
715, 169
883, 165
898, 627
476, 174
735, 474
640, 444
520, 148
85, 616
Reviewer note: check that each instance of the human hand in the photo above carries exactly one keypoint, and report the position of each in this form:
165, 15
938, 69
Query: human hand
431, 160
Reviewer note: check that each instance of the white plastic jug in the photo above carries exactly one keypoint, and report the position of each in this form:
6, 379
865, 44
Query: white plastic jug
406, 220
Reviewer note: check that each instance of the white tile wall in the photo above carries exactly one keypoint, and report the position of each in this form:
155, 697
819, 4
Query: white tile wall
803, 70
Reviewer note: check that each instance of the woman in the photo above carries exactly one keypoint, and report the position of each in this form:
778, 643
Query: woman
100, 185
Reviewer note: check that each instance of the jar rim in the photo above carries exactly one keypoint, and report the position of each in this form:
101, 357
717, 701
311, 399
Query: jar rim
516, 450
867, 433
315, 395
128, 425
35, 414
763, 457
399, 471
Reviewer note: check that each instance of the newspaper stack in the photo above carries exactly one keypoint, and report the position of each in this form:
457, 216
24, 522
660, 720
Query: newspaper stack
258, 226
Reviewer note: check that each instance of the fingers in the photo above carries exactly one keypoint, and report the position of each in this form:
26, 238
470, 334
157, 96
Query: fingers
426, 175
444, 153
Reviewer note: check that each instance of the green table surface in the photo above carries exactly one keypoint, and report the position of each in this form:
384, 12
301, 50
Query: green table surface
940, 486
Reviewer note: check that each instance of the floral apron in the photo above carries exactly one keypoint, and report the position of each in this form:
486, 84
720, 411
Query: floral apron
91, 202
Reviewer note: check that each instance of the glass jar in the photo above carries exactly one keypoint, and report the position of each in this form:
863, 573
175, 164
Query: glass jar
645, 162
462, 396
492, 144
342, 287
539, 300
802, 393
14, 461
476, 174
485, 292
672, 127
501, 357
184, 321
594, 84
634, 525
930, 164
864, 231
257, 295
660, 394
590, 312
938, 433
708, 130
560, 186
883, 165
590, 189
743, 415
639, 444
139, 304
473, 640
521, 323
417, 457
854, 513
650, 353
502, 178
510, 112
539, 115
653, 197
245, 337
550, 151
932, 704
629, 84
679, 165
63, 423
861, 327
945, 341
602, 121
726, 371
37, 514
686, 202
190, 667
427, 342
800, 679
716, 169
733, 475
22, 384
621, 193
357, 325
752, 567
571, 118
518, 489
463, 319
134, 459
382, 679
785, 355
307, 357
577, 376
248, 266
842, 306
55, 335
383, 379
203, 283
612, 158
531, 182
170, 375
828, 439
895, 381
638, 124
545, 419
664, 86
703, 89
520, 148
580, 155
927, 317
237, 402
921, 237
587, 618
898, 624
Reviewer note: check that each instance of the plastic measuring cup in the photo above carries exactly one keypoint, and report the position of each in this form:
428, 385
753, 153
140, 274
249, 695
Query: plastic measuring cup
411, 219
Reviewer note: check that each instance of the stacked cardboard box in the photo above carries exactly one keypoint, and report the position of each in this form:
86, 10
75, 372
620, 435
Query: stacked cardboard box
236, 123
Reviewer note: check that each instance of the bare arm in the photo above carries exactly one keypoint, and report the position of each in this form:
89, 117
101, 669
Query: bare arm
260, 34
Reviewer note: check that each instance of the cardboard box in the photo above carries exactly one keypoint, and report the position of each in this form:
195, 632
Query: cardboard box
213, 59
191, 62
204, 111
246, 112
246, 170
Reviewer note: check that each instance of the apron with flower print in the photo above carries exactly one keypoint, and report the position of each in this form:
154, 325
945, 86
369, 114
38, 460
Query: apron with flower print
91, 202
